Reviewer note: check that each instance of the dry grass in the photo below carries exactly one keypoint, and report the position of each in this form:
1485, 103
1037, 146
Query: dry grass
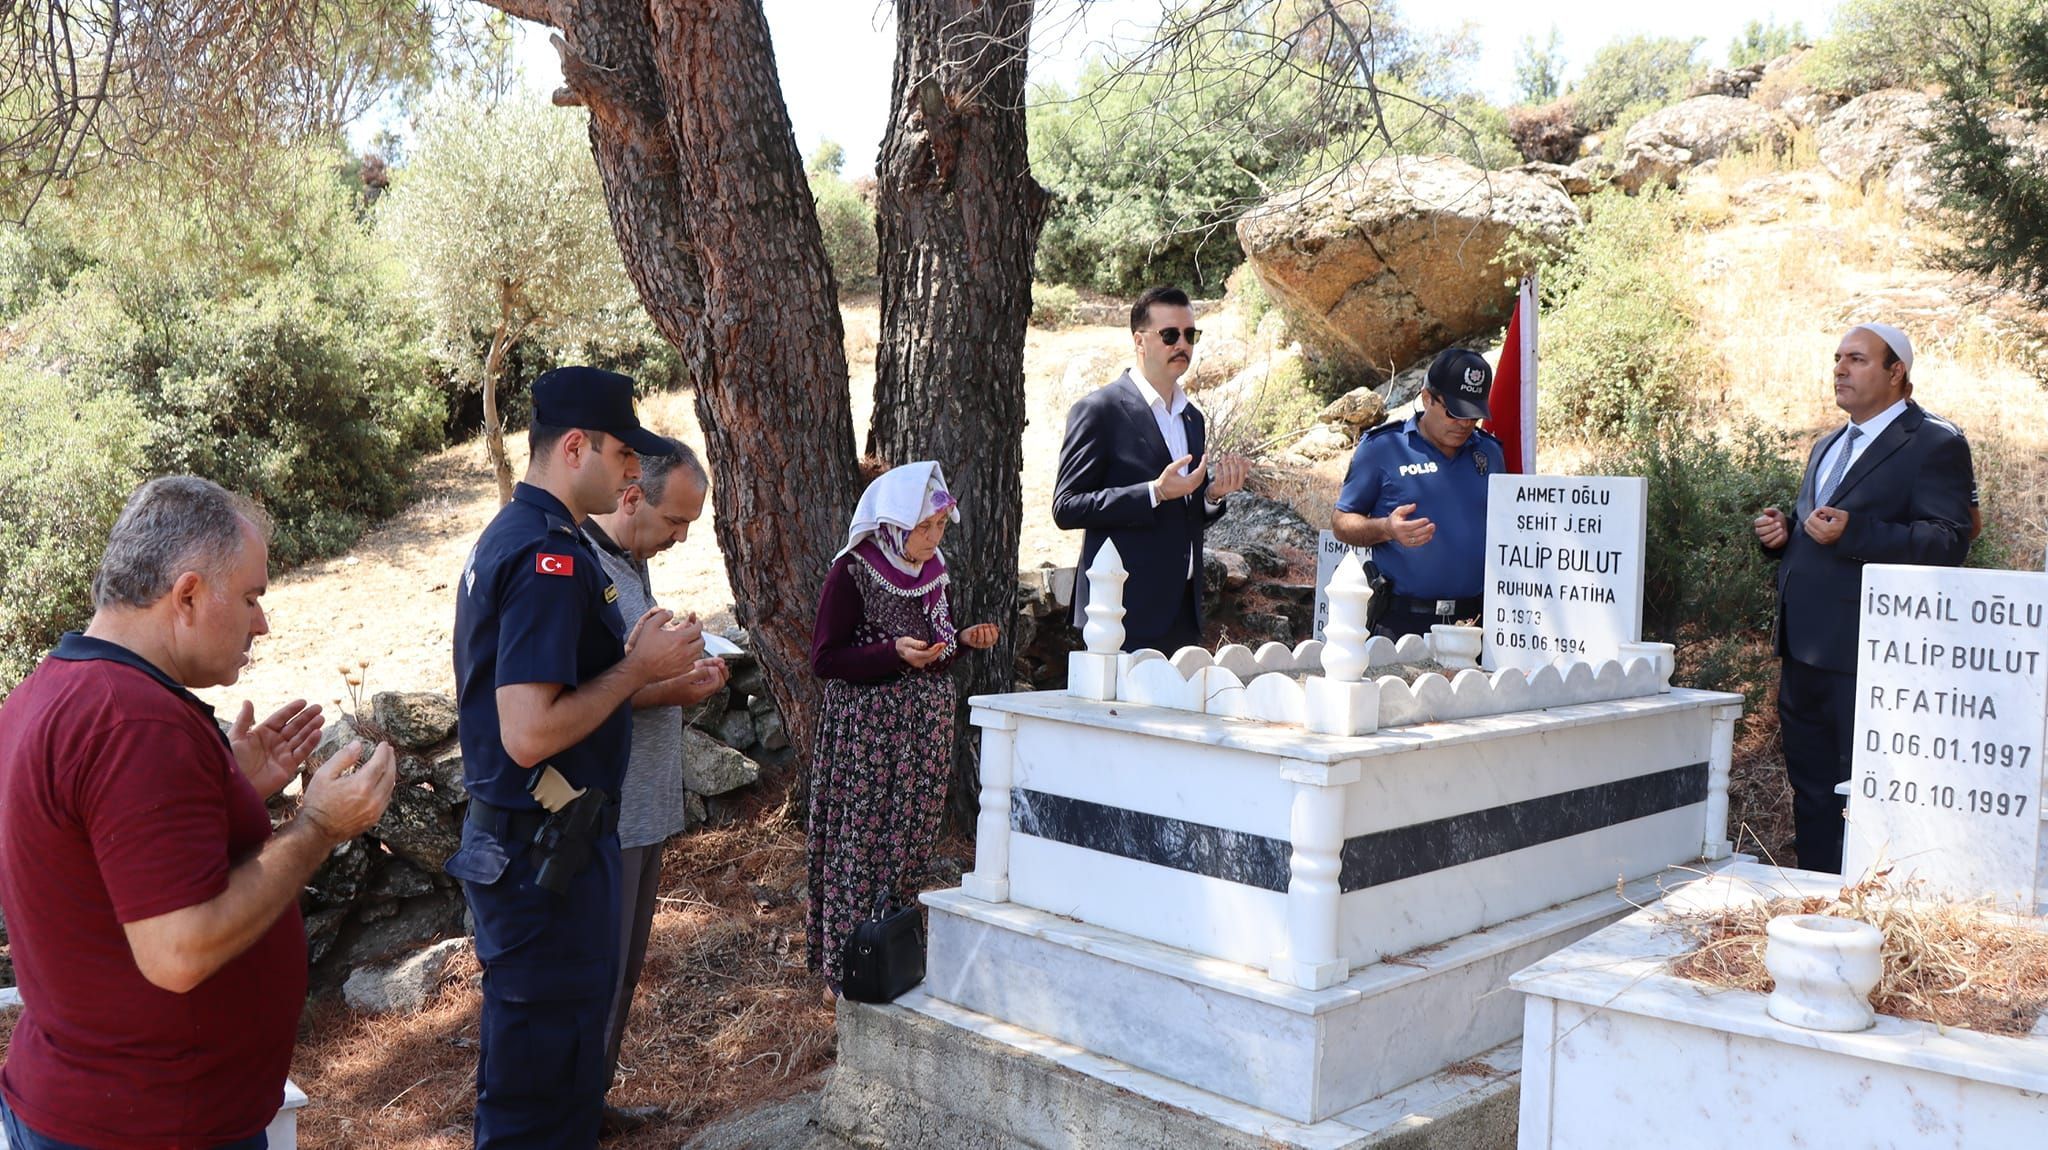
1952, 964
726, 1018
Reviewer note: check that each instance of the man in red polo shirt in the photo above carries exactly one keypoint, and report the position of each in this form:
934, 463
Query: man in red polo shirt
153, 915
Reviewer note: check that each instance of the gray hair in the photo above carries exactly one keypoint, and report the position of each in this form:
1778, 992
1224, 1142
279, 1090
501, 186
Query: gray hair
655, 469
172, 525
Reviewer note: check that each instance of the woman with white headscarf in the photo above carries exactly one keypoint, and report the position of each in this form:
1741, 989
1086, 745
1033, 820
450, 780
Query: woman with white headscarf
883, 643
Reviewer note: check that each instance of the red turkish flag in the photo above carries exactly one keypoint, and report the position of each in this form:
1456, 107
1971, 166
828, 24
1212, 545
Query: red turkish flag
1511, 409
548, 564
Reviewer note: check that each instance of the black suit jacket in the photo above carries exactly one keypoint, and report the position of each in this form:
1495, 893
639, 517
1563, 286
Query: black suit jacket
1112, 453
1908, 501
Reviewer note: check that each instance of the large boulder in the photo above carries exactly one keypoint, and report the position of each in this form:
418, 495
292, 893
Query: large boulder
1389, 260
1874, 141
1668, 141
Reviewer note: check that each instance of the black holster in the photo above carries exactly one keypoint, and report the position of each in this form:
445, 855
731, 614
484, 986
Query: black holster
563, 844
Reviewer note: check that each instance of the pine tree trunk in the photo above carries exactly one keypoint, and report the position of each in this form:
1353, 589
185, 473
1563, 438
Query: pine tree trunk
713, 215
958, 215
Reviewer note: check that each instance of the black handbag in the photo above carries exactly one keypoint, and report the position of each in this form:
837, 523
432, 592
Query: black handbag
884, 956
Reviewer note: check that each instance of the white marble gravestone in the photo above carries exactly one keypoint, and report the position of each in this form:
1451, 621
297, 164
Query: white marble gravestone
1564, 567
1951, 722
1330, 552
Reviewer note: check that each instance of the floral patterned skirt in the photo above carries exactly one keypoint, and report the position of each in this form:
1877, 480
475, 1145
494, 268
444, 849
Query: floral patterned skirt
878, 789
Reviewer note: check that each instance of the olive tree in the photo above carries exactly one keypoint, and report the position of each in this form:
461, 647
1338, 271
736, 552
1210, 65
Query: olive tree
499, 218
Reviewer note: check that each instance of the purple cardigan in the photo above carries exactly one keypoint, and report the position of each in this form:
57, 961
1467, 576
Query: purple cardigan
834, 654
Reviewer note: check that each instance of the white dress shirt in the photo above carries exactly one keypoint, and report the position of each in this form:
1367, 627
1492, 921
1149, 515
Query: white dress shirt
1167, 414
1870, 428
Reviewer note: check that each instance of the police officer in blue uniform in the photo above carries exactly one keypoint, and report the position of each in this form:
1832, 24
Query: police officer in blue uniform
545, 668
1416, 494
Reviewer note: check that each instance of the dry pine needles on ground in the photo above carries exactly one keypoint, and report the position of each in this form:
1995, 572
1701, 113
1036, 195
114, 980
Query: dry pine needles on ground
726, 1017
1952, 964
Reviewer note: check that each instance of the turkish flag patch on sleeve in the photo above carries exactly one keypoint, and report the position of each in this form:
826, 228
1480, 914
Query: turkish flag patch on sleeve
548, 564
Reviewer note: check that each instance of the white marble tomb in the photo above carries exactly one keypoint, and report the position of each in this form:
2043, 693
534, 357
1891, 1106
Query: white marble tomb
1300, 921
1619, 1053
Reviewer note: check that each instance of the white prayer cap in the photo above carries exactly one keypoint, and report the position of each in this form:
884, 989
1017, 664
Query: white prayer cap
1893, 338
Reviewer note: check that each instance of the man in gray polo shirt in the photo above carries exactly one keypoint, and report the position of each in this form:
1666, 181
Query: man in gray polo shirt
653, 515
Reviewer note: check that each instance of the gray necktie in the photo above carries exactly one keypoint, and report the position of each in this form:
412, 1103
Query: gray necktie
1841, 467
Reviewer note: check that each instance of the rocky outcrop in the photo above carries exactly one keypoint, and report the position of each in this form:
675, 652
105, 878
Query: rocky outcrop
1578, 178
1666, 143
1873, 141
1393, 258
1250, 521
1736, 83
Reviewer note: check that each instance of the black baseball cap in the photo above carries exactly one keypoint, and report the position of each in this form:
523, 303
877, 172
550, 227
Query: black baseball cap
1461, 378
593, 399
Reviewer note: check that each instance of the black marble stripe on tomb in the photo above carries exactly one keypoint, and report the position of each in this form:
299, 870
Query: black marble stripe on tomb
1404, 852
1368, 860
1215, 852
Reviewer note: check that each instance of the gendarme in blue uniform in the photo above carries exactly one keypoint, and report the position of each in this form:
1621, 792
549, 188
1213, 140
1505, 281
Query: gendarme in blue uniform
1396, 464
535, 606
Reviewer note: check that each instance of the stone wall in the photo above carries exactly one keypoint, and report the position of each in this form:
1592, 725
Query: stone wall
384, 894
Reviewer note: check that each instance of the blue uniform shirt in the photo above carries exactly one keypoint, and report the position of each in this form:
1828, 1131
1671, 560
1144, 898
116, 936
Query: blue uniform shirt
535, 606
1396, 464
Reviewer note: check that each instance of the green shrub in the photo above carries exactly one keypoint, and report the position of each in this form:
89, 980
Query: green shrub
1654, 70
849, 226
1874, 44
265, 342
1248, 292
67, 463
1707, 587
1254, 423
1762, 42
1620, 340
1054, 305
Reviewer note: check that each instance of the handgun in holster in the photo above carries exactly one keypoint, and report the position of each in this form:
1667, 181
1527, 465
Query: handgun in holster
562, 845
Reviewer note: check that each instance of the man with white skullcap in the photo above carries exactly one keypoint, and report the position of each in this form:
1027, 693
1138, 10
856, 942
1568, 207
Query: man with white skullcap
1892, 486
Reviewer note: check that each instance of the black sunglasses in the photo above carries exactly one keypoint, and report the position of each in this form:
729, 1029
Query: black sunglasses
1171, 335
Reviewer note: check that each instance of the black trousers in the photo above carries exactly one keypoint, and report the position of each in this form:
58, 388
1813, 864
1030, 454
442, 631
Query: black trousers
1817, 721
1180, 632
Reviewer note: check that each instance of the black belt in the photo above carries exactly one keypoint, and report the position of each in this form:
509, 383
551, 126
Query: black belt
1434, 608
519, 826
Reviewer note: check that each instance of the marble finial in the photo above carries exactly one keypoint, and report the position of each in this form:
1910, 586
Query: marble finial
1344, 656
1104, 632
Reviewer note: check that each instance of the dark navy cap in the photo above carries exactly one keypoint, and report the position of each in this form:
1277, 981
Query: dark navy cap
593, 399
1461, 378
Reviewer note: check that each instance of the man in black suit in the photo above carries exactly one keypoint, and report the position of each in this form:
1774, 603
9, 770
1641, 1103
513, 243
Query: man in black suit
1894, 486
1135, 469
